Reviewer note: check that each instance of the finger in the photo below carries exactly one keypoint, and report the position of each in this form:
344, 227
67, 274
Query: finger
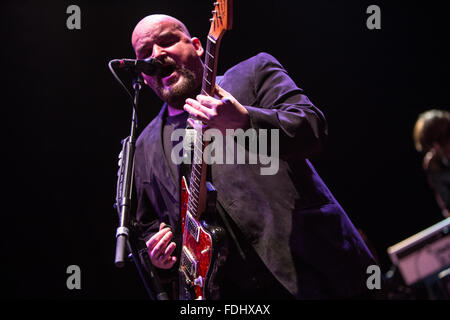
225, 101
196, 124
205, 104
195, 113
224, 96
170, 262
164, 226
221, 92
168, 252
191, 122
156, 238
207, 101
170, 248
161, 245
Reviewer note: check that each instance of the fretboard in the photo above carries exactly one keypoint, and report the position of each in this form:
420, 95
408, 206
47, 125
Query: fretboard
210, 71
197, 188
198, 175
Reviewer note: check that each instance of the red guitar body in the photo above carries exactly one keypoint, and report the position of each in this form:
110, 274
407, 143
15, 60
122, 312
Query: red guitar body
203, 251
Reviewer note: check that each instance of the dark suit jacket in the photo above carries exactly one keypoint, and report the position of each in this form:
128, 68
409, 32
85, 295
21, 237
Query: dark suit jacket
291, 219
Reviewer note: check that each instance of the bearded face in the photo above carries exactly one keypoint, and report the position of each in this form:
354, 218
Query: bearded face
174, 83
167, 40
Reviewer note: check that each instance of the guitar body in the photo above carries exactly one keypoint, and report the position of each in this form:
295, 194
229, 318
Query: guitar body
203, 252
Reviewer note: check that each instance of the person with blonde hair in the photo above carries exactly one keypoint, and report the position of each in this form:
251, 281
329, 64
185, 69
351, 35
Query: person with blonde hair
431, 136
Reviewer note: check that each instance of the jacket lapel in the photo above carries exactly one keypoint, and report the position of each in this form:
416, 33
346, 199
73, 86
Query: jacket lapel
156, 158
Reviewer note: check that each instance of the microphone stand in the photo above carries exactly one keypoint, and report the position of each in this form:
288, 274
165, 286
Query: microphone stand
126, 236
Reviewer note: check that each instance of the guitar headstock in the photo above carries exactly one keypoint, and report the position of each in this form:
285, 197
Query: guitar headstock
222, 18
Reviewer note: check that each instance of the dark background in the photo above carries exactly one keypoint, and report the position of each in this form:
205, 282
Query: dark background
65, 117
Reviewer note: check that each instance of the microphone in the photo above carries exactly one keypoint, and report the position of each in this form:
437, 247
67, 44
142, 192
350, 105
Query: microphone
148, 66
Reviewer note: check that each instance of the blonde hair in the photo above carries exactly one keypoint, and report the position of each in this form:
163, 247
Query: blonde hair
432, 126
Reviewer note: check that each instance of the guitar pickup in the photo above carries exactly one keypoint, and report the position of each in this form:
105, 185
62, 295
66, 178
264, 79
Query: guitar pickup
192, 226
188, 262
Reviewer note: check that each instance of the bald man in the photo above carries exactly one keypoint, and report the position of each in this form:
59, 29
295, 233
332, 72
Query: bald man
288, 236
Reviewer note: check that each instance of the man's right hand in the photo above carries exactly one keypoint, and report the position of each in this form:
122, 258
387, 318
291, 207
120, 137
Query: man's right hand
160, 248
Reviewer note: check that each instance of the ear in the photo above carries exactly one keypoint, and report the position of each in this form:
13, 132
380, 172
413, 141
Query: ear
197, 46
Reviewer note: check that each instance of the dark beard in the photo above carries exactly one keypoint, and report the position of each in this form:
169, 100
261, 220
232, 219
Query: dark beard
176, 96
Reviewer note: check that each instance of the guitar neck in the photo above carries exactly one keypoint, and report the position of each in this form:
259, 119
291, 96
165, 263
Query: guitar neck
210, 71
197, 187
197, 182
220, 22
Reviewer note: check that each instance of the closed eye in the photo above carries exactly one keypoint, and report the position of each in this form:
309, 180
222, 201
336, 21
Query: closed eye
164, 40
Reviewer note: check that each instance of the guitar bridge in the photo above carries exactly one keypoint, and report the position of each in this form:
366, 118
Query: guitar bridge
192, 226
188, 262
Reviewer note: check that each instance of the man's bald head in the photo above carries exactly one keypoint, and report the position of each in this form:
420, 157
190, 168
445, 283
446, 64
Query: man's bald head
149, 22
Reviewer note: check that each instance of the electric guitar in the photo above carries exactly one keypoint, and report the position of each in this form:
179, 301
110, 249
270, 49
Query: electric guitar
203, 251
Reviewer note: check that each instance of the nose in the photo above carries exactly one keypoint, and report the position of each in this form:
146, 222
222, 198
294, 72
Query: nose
158, 51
